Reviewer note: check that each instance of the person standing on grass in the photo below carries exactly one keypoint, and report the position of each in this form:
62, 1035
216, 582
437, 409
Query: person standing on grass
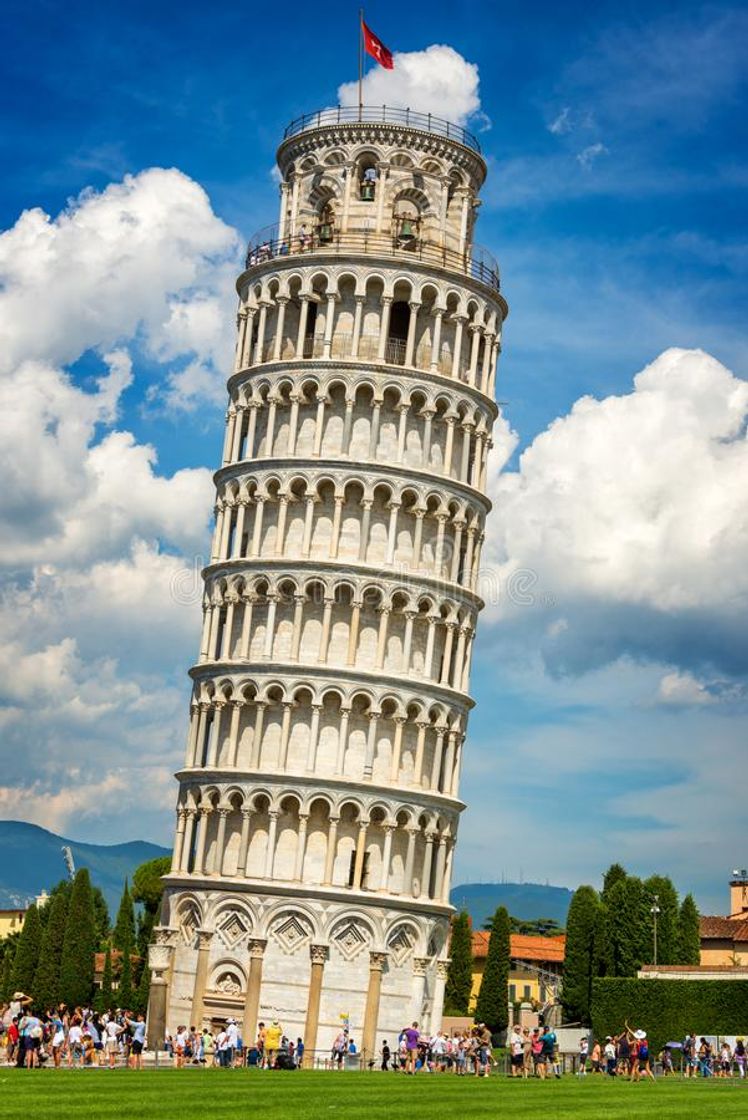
112, 1031
610, 1056
597, 1057
538, 1055
739, 1056
584, 1049
639, 1051
273, 1036
180, 1046
516, 1052
138, 1041
412, 1038
386, 1055
548, 1039
690, 1055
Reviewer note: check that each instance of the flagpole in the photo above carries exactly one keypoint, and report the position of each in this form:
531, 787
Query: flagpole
360, 62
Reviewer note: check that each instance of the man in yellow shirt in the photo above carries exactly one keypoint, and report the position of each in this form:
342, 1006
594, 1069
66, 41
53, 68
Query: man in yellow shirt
273, 1035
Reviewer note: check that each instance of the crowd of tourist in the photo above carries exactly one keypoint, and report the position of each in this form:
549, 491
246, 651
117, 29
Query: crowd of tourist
70, 1037
76, 1038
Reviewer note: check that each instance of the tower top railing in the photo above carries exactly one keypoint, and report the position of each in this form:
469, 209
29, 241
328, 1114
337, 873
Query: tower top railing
472, 260
382, 114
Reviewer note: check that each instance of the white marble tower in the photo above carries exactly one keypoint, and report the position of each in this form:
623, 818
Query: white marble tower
319, 801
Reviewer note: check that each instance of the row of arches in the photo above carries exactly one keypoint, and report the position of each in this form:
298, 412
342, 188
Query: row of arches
318, 622
412, 428
325, 732
318, 841
316, 313
380, 523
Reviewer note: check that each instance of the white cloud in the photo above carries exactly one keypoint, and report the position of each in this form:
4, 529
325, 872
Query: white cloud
436, 80
98, 546
589, 154
683, 690
561, 123
631, 513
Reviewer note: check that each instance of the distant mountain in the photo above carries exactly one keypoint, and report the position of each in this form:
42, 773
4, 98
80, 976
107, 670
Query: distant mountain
31, 861
522, 900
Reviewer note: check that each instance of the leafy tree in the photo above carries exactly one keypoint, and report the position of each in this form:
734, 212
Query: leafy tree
27, 952
79, 946
9, 944
492, 1007
621, 932
148, 890
581, 960
104, 999
47, 975
124, 928
689, 939
460, 975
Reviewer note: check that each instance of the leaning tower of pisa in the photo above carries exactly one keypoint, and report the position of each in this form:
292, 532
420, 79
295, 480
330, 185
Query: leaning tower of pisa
319, 800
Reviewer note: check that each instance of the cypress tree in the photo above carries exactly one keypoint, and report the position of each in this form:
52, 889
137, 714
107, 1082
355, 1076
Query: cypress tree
492, 1006
140, 999
79, 946
6, 976
47, 975
27, 953
667, 919
616, 873
460, 974
621, 932
101, 919
104, 1000
124, 991
581, 959
689, 938
124, 928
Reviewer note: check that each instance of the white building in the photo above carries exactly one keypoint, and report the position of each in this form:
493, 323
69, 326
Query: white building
319, 802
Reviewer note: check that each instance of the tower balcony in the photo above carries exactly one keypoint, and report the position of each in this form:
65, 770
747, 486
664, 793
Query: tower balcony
382, 114
406, 245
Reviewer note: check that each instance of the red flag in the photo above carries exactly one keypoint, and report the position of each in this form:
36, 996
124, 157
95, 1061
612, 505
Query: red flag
376, 48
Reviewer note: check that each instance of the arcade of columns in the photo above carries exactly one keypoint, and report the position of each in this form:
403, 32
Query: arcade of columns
319, 800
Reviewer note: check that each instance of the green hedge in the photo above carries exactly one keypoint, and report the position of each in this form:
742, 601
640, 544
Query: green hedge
668, 1010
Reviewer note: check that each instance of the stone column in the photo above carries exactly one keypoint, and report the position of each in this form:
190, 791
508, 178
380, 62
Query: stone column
358, 866
402, 428
159, 960
252, 430
272, 833
384, 327
236, 714
426, 871
248, 599
252, 996
400, 722
260, 706
358, 315
371, 1013
318, 955
217, 869
287, 706
279, 325
332, 840
428, 660
345, 715
241, 869
204, 937
410, 860
422, 726
371, 743
384, 884
436, 341
420, 964
329, 320
447, 657
437, 1005
450, 421
189, 832
293, 422
215, 733
303, 316
335, 533
301, 846
202, 836
457, 355
176, 858
384, 614
353, 632
311, 761
410, 342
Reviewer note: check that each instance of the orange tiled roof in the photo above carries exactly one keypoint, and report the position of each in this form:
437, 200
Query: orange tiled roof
723, 929
524, 947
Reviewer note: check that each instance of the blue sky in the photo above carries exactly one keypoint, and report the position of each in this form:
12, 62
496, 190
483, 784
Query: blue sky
615, 139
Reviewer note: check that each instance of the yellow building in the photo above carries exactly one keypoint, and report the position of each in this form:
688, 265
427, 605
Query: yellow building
535, 961
724, 940
11, 921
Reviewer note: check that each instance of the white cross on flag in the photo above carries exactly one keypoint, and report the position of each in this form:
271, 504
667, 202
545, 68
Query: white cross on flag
376, 48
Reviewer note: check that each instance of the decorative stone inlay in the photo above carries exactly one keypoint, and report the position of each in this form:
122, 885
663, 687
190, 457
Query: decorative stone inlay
400, 945
292, 932
350, 939
232, 929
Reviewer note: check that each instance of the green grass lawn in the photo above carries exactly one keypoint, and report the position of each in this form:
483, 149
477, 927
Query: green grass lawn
196, 1094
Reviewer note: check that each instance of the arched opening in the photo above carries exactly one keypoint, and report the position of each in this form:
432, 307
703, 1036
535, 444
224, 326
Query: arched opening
398, 333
